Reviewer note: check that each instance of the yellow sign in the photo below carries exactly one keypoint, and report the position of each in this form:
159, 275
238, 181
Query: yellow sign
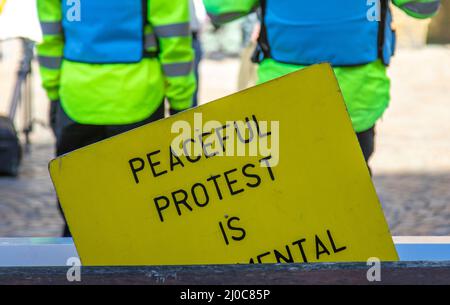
194, 189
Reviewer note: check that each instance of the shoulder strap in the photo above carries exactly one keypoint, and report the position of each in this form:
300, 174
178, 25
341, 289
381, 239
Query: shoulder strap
147, 54
145, 11
382, 26
263, 41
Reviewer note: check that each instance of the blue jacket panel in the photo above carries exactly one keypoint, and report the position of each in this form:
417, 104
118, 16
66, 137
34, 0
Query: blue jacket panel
106, 32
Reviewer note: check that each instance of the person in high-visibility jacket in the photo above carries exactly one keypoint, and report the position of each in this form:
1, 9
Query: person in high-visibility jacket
108, 66
355, 36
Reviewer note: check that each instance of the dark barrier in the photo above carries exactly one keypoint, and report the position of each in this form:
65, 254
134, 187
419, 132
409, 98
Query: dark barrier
418, 273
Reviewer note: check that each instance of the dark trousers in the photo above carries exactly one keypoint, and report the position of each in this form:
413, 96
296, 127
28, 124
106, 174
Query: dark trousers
367, 142
71, 135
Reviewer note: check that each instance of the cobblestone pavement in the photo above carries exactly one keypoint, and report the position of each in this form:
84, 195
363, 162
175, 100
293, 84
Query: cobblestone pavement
411, 166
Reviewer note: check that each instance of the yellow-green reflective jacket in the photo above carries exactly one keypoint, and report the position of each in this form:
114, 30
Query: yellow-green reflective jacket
108, 93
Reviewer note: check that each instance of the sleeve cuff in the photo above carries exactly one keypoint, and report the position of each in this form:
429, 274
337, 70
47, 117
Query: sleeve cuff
180, 105
53, 94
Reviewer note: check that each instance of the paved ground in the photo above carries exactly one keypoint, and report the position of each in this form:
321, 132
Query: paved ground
411, 165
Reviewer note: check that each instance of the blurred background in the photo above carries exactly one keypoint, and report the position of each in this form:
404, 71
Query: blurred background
411, 164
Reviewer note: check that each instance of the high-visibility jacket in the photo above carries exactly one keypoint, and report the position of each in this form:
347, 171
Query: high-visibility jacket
114, 62
356, 39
